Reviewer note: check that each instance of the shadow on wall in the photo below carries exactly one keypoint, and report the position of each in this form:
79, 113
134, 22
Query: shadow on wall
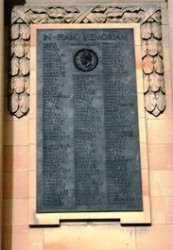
14, 2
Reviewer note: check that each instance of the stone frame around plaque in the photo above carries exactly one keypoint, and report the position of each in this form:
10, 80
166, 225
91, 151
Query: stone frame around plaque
148, 16
132, 217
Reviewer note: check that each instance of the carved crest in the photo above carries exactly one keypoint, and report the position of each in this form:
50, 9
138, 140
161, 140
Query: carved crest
151, 37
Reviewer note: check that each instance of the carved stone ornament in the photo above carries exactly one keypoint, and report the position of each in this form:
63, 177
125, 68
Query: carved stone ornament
151, 38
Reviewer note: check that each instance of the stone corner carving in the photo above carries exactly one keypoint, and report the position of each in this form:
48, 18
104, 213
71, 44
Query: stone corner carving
151, 37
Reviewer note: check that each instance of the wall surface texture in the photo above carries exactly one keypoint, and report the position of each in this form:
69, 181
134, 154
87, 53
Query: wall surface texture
87, 235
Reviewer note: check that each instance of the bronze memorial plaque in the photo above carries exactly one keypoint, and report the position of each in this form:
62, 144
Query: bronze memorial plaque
88, 156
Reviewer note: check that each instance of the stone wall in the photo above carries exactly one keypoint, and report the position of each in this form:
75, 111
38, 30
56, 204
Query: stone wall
87, 235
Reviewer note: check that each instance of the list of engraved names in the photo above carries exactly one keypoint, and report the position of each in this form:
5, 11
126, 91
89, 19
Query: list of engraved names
87, 123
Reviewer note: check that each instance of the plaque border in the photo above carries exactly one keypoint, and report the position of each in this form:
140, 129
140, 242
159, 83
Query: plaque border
125, 217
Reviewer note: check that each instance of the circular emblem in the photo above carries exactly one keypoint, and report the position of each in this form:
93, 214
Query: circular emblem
85, 60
